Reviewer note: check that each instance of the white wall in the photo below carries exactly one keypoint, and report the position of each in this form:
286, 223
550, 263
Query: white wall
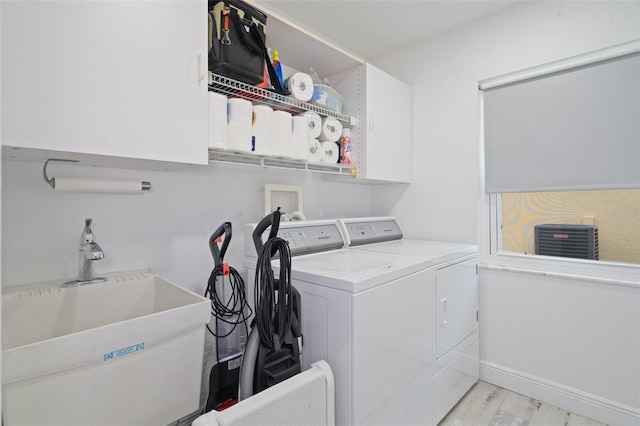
573, 343
166, 229
444, 72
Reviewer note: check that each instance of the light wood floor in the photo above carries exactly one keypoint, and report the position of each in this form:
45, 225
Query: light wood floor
489, 405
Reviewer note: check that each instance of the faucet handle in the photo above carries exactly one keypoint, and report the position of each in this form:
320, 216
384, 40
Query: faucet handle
87, 233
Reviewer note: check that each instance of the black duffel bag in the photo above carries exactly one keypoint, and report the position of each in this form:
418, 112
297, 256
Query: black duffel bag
237, 42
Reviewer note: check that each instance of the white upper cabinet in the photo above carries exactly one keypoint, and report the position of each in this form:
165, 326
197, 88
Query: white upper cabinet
381, 104
381, 144
110, 78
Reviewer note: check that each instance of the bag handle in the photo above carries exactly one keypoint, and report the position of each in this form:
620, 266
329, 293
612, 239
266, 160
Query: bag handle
240, 25
275, 81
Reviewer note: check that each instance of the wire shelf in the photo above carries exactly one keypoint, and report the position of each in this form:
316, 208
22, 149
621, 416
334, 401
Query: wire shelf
233, 88
241, 157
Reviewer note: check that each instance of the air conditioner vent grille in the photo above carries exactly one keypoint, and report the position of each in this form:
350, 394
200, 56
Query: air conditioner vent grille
578, 241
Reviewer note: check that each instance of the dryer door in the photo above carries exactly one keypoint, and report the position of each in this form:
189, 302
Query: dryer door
456, 304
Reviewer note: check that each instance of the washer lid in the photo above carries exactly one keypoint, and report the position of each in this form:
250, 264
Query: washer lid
435, 252
353, 270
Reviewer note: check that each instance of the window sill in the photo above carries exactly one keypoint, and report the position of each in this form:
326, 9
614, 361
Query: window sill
598, 271
623, 274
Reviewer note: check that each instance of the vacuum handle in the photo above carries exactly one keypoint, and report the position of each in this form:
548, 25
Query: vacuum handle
218, 253
272, 220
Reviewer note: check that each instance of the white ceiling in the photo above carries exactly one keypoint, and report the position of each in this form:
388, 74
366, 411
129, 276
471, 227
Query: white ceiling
370, 28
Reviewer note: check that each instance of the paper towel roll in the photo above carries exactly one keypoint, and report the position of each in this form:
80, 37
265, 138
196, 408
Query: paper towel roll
217, 120
239, 124
282, 122
315, 153
315, 124
300, 138
282, 131
239, 138
239, 111
262, 129
301, 86
73, 184
331, 130
330, 152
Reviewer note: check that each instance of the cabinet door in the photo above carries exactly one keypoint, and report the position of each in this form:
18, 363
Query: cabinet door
456, 304
117, 78
381, 147
388, 127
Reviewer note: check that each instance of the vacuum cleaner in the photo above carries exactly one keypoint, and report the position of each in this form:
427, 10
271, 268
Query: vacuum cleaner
231, 313
272, 353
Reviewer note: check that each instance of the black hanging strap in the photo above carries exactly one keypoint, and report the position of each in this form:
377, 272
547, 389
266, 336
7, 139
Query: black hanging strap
275, 81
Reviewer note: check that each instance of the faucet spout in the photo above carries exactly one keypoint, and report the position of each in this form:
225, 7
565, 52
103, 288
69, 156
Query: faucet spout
91, 252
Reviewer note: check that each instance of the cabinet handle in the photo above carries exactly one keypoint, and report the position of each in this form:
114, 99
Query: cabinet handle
201, 71
444, 311
371, 125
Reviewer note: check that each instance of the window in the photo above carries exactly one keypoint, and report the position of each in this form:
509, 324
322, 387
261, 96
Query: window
561, 146
614, 215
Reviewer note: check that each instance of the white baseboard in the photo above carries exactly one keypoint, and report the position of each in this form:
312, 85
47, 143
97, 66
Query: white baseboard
577, 401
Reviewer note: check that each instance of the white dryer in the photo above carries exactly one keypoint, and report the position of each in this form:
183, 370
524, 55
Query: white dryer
453, 294
367, 314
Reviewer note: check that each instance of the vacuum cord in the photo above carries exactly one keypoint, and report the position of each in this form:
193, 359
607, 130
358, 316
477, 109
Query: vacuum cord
232, 311
274, 306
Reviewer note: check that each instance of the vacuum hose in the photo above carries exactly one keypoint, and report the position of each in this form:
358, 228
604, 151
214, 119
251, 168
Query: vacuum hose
248, 366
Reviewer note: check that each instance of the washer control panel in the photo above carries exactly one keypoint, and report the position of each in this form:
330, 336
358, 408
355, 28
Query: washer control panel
369, 231
306, 238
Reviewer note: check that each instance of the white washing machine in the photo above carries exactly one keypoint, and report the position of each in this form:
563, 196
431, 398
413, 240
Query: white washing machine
368, 315
453, 288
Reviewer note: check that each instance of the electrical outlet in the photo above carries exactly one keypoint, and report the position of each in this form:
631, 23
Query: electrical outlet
587, 220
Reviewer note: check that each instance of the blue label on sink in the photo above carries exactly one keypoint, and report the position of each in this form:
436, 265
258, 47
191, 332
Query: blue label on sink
124, 351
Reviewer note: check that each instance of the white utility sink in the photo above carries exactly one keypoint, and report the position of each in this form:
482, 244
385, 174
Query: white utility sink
126, 351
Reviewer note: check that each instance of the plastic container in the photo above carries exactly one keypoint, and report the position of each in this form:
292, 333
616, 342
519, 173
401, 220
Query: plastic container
230, 345
277, 67
327, 97
345, 146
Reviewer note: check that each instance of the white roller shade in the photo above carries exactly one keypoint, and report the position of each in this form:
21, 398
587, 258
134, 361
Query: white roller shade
573, 129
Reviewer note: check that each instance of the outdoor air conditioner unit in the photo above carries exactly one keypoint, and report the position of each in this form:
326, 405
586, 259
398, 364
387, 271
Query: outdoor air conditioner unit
579, 241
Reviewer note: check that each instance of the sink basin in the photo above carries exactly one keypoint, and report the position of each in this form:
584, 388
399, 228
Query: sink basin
126, 351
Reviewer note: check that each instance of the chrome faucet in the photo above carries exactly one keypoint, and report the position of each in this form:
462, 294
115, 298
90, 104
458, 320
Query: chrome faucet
88, 252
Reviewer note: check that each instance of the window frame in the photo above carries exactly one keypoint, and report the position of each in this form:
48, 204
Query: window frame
614, 273
584, 269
